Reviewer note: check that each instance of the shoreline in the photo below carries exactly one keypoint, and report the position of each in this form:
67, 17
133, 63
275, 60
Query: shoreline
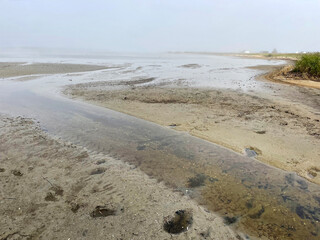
266, 57
234, 120
273, 73
237, 127
280, 74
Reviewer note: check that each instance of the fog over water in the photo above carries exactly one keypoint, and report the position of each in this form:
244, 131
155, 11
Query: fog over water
161, 25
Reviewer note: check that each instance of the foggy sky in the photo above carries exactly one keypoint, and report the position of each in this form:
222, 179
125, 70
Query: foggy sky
162, 25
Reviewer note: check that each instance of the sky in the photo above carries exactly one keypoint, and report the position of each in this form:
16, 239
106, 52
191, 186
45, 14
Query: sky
162, 25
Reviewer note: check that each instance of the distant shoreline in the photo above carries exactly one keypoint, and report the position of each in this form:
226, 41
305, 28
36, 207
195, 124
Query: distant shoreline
278, 74
283, 73
267, 56
270, 56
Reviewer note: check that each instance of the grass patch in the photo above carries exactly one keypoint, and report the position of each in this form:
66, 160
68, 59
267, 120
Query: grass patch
309, 64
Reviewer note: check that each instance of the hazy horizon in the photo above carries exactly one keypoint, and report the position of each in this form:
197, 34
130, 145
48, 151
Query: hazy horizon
161, 26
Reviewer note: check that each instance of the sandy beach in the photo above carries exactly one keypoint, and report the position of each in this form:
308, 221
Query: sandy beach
284, 135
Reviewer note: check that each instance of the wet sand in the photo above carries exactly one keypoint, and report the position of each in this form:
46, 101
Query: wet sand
16, 69
55, 190
274, 129
284, 135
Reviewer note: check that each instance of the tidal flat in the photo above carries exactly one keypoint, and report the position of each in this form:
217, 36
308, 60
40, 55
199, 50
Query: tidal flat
209, 114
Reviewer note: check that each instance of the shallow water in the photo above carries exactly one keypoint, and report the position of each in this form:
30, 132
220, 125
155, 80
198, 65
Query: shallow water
263, 201
211, 70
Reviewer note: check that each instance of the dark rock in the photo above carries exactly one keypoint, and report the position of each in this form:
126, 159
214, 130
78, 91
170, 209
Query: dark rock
260, 132
257, 214
16, 173
100, 162
229, 220
300, 211
57, 190
50, 197
180, 222
197, 181
102, 211
97, 171
75, 207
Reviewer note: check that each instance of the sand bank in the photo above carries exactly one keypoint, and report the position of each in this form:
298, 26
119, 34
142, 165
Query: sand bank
284, 135
16, 69
284, 75
55, 190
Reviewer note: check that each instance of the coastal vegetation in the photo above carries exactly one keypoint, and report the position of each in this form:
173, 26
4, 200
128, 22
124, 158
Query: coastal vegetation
301, 66
308, 64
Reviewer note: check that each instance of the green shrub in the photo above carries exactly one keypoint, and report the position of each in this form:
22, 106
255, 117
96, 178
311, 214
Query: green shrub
309, 64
